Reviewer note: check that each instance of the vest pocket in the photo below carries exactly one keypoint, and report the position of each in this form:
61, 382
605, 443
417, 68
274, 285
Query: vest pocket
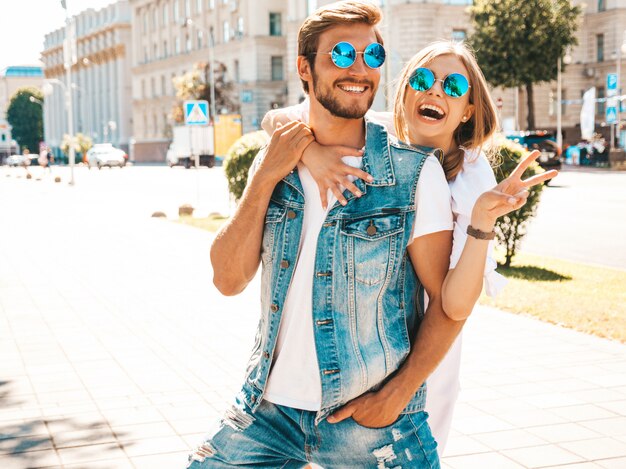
368, 245
274, 215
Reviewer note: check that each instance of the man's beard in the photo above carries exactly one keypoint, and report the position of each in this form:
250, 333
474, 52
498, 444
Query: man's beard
331, 104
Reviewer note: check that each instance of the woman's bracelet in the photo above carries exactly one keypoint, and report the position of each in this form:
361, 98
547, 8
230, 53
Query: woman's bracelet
475, 233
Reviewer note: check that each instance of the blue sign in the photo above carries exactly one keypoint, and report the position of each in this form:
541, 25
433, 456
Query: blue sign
611, 115
246, 96
611, 81
196, 112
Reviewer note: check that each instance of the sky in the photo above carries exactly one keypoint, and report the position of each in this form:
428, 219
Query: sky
24, 23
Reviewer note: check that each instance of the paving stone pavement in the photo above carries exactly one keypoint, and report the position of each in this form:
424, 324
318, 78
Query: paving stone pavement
117, 352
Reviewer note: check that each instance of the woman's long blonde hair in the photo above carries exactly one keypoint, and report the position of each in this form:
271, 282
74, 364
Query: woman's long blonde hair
468, 135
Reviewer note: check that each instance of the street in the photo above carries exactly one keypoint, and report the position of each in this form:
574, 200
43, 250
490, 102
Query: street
582, 217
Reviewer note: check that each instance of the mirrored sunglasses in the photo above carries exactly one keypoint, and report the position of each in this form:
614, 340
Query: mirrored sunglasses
454, 85
344, 55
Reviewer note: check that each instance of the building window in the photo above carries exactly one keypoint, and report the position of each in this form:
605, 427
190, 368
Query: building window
199, 46
165, 51
152, 87
311, 5
165, 16
187, 43
146, 56
226, 31
600, 48
155, 51
236, 68
155, 18
176, 11
275, 24
143, 88
176, 45
600, 105
601, 5
277, 68
145, 22
187, 8
240, 26
155, 129
199, 6
163, 87
459, 35
211, 4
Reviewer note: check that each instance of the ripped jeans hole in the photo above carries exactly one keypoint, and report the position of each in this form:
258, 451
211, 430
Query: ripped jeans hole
202, 452
384, 455
237, 418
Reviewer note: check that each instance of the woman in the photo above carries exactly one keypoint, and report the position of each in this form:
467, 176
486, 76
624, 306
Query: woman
442, 102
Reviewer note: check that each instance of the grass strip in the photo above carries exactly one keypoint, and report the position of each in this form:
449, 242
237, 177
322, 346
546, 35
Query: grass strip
587, 298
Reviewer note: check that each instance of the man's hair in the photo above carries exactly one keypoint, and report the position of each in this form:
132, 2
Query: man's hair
328, 16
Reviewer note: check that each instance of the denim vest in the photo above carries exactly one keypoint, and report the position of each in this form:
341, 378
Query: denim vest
365, 307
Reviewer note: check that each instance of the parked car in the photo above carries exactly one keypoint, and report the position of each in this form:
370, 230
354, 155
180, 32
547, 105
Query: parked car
545, 142
105, 154
16, 160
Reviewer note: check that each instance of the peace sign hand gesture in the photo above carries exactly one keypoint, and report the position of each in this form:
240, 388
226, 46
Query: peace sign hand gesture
508, 196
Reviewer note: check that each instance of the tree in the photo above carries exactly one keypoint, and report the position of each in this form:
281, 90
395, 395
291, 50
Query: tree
239, 159
195, 84
82, 144
511, 228
519, 42
26, 118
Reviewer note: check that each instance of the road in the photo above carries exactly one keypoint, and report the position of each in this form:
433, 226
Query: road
582, 217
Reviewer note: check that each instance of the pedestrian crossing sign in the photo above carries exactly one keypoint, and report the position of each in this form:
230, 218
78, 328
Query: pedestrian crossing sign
196, 112
611, 115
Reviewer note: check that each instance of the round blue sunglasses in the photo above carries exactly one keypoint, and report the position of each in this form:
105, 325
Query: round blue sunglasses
454, 85
343, 55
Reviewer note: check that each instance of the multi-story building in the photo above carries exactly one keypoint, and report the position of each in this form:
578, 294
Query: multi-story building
101, 83
11, 79
171, 36
600, 37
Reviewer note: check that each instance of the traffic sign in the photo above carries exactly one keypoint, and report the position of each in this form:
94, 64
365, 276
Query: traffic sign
196, 112
611, 115
611, 84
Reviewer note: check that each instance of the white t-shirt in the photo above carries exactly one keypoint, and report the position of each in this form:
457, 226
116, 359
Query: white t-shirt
294, 379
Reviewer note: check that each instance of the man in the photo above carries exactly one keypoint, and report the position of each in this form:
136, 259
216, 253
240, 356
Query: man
337, 371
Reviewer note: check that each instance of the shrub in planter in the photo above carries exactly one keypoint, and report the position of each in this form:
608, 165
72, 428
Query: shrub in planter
511, 228
239, 159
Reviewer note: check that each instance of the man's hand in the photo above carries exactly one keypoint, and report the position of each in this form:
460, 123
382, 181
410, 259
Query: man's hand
284, 151
373, 409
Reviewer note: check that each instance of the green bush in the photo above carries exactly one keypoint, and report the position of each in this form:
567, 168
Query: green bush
511, 228
239, 159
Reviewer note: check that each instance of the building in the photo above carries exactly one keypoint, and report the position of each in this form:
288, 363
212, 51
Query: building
11, 79
101, 82
600, 37
171, 36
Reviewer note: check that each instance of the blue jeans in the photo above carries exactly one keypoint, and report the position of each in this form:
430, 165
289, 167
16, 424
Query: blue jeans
282, 437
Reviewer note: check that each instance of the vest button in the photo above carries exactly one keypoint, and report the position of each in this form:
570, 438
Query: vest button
274, 308
371, 230
284, 264
266, 355
291, 214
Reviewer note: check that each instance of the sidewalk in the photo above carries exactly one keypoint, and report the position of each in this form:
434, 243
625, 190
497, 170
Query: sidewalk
117, 352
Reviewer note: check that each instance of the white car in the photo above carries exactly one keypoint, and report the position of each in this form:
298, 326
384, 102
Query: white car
16, 160
105, 154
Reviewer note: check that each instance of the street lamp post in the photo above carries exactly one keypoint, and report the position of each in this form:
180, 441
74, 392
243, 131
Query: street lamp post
559, 97
187, 23
68, 49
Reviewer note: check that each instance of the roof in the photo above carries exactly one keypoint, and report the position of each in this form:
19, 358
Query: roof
22, 71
